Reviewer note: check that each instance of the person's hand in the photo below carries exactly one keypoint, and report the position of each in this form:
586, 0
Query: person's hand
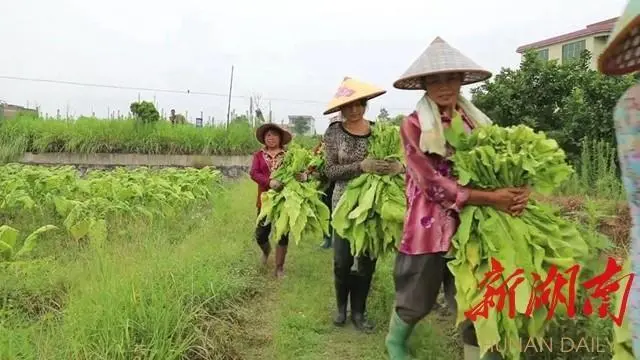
372, 166
302, 177
507, 198
275, 184
521, 202
395, 168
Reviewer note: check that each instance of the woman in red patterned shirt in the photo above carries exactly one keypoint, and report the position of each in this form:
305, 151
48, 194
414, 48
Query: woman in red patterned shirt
265, 162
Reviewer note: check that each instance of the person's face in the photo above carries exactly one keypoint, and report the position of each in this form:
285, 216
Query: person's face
443, 89
272, 139
354, 111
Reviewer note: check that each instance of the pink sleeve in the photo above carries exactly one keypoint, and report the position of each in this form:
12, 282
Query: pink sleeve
256, 172
421, 168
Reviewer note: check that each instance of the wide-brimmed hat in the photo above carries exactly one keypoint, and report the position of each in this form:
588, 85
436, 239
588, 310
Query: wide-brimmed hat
285, 135
440, 58
622, 52
352, 90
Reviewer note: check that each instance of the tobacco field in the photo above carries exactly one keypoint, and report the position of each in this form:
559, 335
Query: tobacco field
161, 263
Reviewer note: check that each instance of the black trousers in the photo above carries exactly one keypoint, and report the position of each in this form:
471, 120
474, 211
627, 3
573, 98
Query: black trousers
350, 284
264, 230
418, 279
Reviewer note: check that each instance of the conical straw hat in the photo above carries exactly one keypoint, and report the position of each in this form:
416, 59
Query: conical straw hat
622, 53
352, 90
439, 58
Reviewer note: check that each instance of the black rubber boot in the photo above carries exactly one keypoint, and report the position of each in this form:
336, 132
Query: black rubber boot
342, 298
360, 292
359, 295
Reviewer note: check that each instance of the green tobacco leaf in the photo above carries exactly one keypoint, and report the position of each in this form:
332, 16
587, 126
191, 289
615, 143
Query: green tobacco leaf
8, 235
31, 241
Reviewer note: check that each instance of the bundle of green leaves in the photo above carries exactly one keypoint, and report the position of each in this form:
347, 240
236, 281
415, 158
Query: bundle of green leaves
370, 212
622, 346
297, 208
492, 157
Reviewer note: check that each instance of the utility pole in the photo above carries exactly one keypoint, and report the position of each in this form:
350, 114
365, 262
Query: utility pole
251, 111
229, 101
270, 113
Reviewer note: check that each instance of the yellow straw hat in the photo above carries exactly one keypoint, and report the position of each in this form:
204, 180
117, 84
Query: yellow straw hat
622, 52
352, 90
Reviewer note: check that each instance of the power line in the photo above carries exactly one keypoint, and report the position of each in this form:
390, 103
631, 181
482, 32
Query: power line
136, 88
174, 91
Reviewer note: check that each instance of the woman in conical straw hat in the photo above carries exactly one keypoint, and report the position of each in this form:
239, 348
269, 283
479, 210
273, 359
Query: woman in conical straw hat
434, 197
345, 159
622, 56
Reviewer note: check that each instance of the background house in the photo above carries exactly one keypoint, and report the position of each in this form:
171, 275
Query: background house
301, 125
569, 46
8, 111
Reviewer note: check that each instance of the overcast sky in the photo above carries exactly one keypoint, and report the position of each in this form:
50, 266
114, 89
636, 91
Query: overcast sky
292, 52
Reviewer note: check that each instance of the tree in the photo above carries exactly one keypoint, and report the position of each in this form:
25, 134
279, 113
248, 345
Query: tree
300, 125
569, 101
240, 119
384, 114
259, 120
145, 112
397, 120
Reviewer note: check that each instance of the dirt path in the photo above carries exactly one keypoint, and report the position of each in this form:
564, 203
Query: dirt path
291, 319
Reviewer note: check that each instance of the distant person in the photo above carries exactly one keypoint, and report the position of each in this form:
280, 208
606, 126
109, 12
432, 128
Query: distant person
176, 119
621, 57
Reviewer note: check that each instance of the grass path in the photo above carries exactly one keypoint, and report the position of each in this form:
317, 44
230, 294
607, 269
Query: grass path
291, 318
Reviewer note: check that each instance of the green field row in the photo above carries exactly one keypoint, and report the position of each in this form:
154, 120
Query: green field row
89, 135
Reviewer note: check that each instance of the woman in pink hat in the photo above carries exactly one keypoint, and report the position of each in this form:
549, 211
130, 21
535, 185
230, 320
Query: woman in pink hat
346, 150
434, 197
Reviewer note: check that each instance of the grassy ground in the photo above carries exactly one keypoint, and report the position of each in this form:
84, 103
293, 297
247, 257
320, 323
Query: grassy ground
292, 318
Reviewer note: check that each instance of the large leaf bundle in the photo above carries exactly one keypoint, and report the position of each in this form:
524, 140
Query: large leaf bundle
370, 212
494, 157
622, 341
297, 208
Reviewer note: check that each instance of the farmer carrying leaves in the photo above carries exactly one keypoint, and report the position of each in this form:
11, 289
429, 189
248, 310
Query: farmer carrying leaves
266, 161
622, 56
434, 198
346, 153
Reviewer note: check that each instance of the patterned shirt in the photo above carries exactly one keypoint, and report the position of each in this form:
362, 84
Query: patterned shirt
433, 195
343, 153
262, 166
627, 125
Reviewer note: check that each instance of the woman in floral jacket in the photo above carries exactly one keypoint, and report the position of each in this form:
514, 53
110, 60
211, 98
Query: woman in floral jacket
434, 197
622, 56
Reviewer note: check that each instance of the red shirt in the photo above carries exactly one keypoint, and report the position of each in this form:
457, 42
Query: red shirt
261, 167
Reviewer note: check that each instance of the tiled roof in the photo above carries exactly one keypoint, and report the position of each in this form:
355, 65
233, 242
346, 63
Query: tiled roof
602, 27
